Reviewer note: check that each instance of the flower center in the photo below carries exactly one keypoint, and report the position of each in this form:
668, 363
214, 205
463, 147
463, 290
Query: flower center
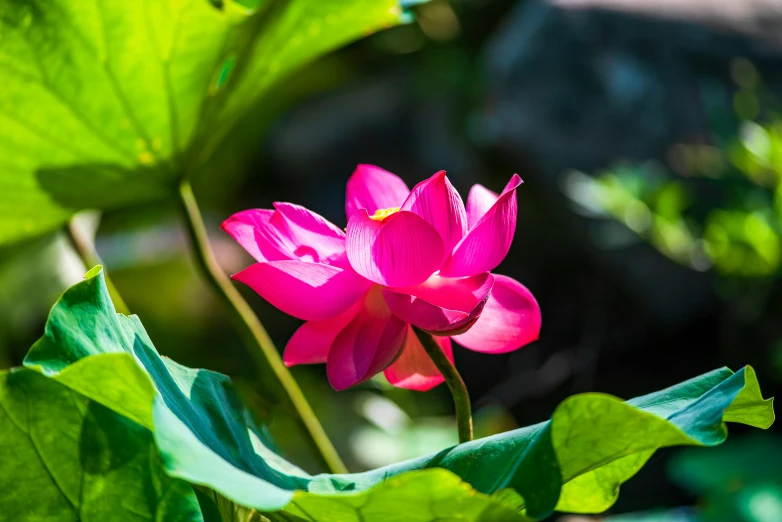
382, 213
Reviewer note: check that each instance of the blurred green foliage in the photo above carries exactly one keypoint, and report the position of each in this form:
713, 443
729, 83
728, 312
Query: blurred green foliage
720, 203
738, 482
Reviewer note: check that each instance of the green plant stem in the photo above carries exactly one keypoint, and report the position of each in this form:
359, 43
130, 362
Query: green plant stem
258, 342
85, 249
461, 398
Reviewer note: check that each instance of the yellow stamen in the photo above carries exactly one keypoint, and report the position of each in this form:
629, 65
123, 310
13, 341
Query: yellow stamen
383, 213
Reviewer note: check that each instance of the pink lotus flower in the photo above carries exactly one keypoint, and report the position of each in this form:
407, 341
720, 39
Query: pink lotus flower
406, 258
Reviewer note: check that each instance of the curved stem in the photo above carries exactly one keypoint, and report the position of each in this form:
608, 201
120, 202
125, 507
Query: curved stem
260, 345
85, 248
461, 398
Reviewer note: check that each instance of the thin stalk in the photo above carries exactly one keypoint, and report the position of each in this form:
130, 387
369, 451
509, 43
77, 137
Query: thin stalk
258, 342
85, 248
461, 398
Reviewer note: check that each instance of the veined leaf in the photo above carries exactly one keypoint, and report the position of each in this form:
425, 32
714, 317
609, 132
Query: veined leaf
575, 462
109, 103
66, 458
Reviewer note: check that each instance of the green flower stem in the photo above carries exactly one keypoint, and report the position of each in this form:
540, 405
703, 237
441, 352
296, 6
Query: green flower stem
461, 399
85, 249
260, 345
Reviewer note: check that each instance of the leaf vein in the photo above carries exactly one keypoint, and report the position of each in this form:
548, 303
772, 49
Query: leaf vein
45, 82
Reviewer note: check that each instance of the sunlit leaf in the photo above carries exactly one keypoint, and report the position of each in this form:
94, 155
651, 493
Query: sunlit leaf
416, 496
107, 103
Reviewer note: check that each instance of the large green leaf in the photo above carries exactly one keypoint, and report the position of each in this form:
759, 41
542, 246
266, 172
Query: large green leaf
575, 462
108, 103
66, 458
416, 496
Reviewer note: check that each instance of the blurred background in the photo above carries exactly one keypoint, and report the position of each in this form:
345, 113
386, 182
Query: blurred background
649, 137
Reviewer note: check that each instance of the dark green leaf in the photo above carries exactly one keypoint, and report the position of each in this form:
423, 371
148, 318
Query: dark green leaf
66, 458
